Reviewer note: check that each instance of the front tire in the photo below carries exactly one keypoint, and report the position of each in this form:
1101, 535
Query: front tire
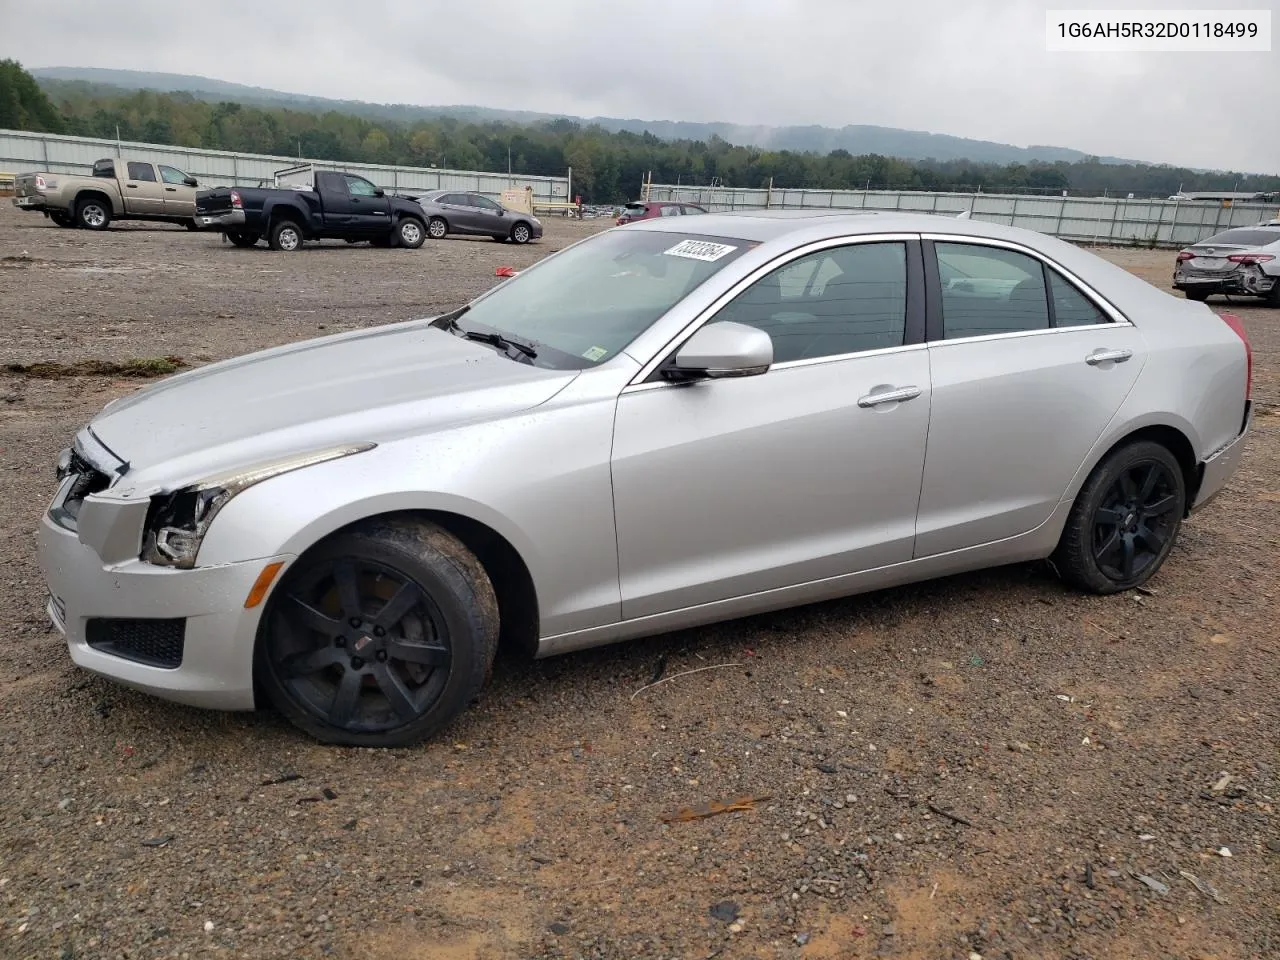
93, 213
379, 636
285, 236
410, 233
437, 229
521, 233
1124, 521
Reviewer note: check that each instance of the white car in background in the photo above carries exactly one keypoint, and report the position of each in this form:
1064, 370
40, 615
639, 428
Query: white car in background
1243, 261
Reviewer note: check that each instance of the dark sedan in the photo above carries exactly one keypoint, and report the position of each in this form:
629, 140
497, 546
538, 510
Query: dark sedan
452, 211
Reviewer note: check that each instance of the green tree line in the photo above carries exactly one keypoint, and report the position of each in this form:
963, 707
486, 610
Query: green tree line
607, 166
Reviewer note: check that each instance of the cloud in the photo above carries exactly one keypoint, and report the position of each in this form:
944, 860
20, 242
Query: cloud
974, 69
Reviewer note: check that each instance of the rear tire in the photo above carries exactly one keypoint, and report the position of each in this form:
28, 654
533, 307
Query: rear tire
242, 239
191, 225
1273, 295
93, 213
437, 229
63, 219
286, 236
1199, 296
379, 636
410, 233
1124, 521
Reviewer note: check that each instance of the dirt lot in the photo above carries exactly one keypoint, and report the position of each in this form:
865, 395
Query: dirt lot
1078, 741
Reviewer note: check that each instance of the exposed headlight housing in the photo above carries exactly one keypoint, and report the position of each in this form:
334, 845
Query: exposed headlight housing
177, 522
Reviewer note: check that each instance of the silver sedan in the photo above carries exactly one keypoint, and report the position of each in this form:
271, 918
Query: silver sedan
661, 426
1244, 261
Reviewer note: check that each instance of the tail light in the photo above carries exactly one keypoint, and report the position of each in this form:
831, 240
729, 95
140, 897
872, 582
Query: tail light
40, 184
236, 202
1251, 257
1234, 323
1185, 255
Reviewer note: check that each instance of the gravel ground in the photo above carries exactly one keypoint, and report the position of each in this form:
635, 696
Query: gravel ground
976, 765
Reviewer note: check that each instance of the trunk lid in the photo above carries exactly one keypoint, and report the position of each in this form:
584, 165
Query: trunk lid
217, 200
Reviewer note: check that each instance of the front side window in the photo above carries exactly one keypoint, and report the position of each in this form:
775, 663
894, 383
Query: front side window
830, 303
671, 210
987, 290
584, 305
172, 175
360, 187
484, 203
142, 171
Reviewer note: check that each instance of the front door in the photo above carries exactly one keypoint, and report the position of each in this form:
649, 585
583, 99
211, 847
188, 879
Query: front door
490, 217
179, 198
724, 488
142, 190
1027, 373
370, 213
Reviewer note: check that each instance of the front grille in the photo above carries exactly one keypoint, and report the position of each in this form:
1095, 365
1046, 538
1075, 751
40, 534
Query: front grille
157, 643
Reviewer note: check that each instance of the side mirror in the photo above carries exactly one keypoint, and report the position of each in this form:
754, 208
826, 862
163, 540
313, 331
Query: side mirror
190, 181
724, 349
379, 192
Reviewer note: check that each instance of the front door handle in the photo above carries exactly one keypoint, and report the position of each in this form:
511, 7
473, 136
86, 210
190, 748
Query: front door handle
898, 395
132, 186
1108, 356
170, 189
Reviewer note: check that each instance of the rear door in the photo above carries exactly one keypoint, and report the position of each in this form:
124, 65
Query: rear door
142, 190
335, 200
370, 213
1027, 370
179, 198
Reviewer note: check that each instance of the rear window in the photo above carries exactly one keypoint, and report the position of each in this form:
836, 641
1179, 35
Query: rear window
1244, 237
635, 208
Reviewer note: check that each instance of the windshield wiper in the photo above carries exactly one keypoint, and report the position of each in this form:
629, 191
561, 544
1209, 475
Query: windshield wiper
501, 341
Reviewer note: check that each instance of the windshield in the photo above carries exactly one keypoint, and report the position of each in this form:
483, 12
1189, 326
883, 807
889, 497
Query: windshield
581, 307
1245, 238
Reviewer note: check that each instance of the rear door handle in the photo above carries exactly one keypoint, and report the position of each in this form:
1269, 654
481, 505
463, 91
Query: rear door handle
898, 395
1108, 356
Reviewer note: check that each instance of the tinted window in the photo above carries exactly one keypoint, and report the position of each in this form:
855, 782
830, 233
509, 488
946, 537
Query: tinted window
671, 210
1244, 238
989, 290
484, 203
690, 208
1071, 308
104, 168
171, 174
843, 300
142, 171
360, 187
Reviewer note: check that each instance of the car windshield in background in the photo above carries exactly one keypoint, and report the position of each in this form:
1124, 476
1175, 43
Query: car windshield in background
1243, 238
581, 307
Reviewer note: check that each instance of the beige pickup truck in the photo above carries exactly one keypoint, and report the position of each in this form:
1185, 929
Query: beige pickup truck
119, 189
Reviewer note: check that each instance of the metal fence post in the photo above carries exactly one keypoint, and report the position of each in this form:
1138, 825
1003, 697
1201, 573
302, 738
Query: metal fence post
1013, 214
1062, 209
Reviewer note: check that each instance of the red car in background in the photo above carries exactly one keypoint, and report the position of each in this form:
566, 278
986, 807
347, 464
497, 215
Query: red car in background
648, 209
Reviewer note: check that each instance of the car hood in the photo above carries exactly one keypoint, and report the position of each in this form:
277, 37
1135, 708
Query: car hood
371, 385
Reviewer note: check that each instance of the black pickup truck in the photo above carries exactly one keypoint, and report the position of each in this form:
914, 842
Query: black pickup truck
338, 206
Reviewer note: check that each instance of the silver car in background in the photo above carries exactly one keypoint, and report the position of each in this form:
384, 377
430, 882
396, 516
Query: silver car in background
470, 214
1242, 261
664, 425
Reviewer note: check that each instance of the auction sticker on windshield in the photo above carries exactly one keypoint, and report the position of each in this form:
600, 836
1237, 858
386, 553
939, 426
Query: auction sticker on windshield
700, 250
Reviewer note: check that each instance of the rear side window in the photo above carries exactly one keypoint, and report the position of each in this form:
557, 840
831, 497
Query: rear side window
671, 210
691, 208
104, 168
1071, 308
987, 290
142, 171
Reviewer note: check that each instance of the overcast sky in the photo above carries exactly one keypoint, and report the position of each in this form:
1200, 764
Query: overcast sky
972, 68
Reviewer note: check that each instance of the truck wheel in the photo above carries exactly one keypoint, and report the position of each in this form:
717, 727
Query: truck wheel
437, 229
521, 233
62, 219
286, 235
242, 239
409, 233
93, 213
